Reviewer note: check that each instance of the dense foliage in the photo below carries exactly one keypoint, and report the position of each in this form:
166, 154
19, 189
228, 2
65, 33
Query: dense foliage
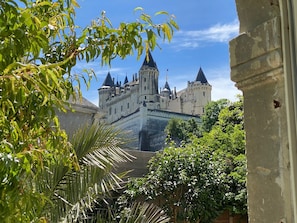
211, 115
180, 132
186, 182
203, 176
227, 140
40, 43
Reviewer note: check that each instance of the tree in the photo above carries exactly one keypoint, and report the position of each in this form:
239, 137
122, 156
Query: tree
188, 183
40, 44
180, 131
211, 115
227, 140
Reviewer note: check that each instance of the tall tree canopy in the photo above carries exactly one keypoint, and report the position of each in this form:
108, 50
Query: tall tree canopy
227, 140
40, 43
179, 131
212, 111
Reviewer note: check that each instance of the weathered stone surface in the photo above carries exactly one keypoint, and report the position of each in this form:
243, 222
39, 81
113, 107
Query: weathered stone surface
258, 68
256, 54
252, 13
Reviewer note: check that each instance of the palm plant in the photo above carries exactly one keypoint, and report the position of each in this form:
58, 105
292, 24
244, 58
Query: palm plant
143, 212
74, 190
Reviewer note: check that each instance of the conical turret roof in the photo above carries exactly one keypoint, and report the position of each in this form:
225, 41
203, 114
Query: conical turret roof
126, 80
149, 61
167, 86
108, 81
201, 77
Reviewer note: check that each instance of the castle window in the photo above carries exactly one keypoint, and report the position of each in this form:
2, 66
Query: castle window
128, 105
115, 110
121, 107
144, 79
109, 111
144, 87
204, 93
144, 97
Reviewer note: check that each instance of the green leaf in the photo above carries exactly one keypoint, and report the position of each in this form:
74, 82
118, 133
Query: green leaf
138, 9
167, 31
161, 13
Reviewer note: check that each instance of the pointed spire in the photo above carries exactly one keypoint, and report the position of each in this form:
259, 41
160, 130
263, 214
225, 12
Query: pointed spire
167, 86
149, 61
126, 80
108, 81
201, 77
166, 83
166, 75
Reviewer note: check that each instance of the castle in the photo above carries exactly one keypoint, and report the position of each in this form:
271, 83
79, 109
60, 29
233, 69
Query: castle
142, 108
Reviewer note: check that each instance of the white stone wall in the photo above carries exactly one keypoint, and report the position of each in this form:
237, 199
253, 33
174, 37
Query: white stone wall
127, 102
191, 100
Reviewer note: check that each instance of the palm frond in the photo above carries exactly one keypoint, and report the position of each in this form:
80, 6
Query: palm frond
98, 150
110, 141
143, 212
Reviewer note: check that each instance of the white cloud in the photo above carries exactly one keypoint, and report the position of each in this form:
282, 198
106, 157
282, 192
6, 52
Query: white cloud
223, 88
113, 71
219, 33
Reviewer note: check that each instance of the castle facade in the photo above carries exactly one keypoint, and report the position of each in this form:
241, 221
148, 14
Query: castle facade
142, 108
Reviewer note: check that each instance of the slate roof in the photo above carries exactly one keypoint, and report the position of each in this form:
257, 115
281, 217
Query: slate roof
108, 81
126, 80
149, 61
201, 77
167, 86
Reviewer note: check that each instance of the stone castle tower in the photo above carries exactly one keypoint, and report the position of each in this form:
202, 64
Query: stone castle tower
141, 107
148, 81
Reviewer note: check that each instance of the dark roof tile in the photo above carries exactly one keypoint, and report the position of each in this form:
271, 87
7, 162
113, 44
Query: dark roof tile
108, 81
149, 61
201, 77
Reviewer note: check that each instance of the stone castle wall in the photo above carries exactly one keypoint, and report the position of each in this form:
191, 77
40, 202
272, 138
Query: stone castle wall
146, 127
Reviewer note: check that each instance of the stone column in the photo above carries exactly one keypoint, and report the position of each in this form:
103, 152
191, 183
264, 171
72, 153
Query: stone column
256, 59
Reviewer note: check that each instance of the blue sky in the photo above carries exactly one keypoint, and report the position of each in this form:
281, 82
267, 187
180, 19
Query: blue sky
206, 27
